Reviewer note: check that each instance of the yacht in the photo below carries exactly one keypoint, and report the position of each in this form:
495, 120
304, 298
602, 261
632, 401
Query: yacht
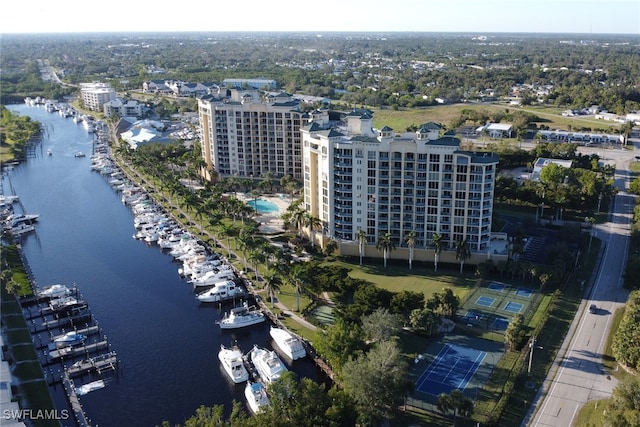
221, 291
212, 277
288, 344
240, 317
54, 291
256, 396
70, 338
267, 363
231, 360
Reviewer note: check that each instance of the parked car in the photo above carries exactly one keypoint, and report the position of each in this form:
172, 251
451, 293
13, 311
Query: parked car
593, 308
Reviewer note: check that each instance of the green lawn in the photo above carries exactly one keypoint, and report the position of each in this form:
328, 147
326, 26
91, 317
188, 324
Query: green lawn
398, 278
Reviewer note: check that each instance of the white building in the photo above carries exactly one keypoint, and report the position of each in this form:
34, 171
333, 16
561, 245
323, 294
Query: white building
123, 108
246, 136
95, 95
357, 178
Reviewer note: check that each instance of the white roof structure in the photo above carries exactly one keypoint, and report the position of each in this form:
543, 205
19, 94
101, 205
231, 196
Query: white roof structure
541, 162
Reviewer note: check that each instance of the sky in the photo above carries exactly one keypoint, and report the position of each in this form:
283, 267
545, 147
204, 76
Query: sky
474, 16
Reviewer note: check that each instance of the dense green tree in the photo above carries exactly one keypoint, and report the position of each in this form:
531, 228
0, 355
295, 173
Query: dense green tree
377, 382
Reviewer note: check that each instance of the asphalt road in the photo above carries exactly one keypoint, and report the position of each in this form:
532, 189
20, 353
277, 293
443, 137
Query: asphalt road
578, 375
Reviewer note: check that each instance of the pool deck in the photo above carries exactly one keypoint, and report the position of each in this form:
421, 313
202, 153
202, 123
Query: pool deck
271, 223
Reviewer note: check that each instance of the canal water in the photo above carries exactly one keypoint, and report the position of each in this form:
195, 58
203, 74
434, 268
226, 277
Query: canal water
166, 341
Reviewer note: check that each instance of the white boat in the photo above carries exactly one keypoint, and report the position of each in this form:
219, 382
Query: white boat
256, 396
89, 387
267, 363
49, 152
210, 278
70, 338
8, 199
231, 360
240, 317
54, 291
79, 154
288, 344
221, 291
22, 229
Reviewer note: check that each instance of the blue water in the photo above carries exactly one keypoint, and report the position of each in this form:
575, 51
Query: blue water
264, 206
166, 340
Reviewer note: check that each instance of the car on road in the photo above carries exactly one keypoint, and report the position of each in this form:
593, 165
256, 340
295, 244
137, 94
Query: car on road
593, 308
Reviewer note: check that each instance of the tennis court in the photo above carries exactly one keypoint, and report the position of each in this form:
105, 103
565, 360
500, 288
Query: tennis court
451, 369
493, 304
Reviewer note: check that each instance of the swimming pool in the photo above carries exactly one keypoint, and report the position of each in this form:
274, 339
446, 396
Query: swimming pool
264, 206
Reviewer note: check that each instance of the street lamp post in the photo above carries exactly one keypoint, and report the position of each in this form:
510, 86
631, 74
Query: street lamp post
532, 345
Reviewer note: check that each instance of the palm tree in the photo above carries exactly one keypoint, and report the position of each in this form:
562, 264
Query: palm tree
272, 285
297, 276
462, 252
298, 218
410, 238
313, 223
386, 245
361, 237
255, 195
436, 242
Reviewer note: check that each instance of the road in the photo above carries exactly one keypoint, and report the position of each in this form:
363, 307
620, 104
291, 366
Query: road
578, 375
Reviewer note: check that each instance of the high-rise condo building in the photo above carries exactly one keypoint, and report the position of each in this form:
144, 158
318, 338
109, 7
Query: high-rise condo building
357, 178
242, 135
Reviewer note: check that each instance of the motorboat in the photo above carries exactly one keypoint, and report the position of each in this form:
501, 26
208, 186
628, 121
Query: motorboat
267, 363
288, 344
256, 396
231, 360
8, 199
21, 229
67, 305
240, 317
54, 291
15, 220
210, 278
89, 387
70, 338
221, 291
79, 154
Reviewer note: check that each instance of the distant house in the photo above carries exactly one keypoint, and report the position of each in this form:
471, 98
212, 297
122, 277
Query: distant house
156, 86
497, 130
123, 108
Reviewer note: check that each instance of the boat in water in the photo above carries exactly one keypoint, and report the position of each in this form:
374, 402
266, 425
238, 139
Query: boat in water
240, 317
54, 291
70, 339
231, 360
267, 363
256, 396
221, 291
288, 344
89, 387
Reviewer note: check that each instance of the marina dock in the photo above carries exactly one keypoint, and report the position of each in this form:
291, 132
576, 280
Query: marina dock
70, 352
99, 364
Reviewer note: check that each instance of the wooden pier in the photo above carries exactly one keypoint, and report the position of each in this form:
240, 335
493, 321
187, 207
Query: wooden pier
69, 352
62, 322
99, 364
76, 407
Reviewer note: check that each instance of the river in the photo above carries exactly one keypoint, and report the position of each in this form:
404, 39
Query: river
166, 341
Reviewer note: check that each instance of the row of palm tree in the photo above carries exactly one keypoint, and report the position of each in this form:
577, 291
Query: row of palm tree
386, 245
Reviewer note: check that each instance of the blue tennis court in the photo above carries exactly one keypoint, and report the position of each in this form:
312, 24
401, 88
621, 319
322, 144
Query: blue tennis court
500, 324
452, 369
524, 292
513, 307
495, 286
485, 301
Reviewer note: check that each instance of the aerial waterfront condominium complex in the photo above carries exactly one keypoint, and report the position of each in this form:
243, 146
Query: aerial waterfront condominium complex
357, 178
95, 95
244, 135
